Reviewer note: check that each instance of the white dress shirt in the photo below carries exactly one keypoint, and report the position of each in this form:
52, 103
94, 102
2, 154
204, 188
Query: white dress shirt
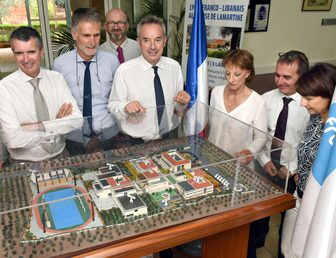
134, 80
234, 131
102, 69
17, 108
130, 48
297, 120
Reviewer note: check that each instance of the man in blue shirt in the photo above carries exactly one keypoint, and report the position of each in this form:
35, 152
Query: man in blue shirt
89, 73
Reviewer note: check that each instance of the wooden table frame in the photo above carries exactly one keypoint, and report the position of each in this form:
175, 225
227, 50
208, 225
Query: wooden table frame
224, 234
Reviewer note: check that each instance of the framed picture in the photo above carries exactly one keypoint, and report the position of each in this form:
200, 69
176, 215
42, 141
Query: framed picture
316, 5
257, 15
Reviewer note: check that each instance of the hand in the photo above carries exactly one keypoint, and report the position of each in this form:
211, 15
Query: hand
182, 97
282, 173
135, 107
245, 156
296, 179
94, 145
270, 168
65, 110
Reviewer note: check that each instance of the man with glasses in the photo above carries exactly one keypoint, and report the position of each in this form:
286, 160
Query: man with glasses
89, 73
290, 66
118, 43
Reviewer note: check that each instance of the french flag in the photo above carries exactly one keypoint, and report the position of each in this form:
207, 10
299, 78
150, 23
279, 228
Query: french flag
197, 79
315, 230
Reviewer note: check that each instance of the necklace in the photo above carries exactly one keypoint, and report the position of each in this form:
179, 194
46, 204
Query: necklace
234, 99
231, 100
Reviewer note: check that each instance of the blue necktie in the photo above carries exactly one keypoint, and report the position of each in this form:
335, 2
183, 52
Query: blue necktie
280, 130
87, 98
159, 97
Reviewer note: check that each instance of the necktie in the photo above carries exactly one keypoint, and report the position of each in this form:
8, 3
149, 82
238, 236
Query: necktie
280, 130
40, 104
87, 98
42, 113
120, 55
159, 97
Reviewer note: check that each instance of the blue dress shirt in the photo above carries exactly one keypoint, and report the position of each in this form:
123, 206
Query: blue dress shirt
102, 69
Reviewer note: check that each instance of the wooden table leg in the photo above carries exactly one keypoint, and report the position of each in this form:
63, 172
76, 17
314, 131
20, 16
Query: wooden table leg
227, 244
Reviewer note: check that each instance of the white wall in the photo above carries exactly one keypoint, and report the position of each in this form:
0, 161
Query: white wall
290, 28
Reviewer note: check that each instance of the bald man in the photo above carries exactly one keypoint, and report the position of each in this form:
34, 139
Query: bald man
118, 43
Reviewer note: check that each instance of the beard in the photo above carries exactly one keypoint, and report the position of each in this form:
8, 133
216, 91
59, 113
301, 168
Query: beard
117, 37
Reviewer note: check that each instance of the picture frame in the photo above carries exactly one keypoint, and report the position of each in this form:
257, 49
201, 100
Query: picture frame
316, 5
257, 16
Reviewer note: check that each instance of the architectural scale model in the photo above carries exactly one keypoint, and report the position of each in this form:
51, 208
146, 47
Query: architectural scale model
79, 202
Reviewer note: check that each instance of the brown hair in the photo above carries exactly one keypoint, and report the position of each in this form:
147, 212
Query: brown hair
84, 14
319, 80
242, 59
25, 33
151, 19
293, 56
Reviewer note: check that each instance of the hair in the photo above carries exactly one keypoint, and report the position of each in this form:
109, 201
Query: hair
319, 80
151, 19
293, 56
242, 59
25, 33
84, 14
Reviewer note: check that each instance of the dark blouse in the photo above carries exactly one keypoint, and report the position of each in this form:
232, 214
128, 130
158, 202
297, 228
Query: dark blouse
307, 150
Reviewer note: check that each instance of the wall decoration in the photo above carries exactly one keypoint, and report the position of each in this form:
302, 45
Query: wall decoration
316, 5
257, 15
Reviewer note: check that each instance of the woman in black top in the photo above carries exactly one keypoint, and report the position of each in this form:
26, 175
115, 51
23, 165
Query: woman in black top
316, 87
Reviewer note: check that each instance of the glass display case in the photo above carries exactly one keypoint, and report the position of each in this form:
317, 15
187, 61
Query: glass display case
112, 178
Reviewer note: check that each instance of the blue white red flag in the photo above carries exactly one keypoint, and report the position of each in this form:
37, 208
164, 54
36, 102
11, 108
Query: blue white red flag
315, 230
197, 81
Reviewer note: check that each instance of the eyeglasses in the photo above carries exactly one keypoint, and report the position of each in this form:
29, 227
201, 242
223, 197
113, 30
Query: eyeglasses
118, 23
292, 56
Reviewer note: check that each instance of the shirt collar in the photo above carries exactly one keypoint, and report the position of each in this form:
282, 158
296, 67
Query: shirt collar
296, 96
148, 66
27, 78
80, 59
115, 46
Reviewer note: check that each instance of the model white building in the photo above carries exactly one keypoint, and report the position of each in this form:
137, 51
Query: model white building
129, 202
173, 161
55, 177
146, 167
194, 187
158, 184
181, 176
109, 178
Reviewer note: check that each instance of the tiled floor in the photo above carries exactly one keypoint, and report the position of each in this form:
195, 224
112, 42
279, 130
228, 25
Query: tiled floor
270, 250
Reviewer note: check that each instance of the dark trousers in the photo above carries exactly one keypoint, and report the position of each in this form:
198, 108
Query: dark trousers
166, 253
94, 144
120, 140
260, 228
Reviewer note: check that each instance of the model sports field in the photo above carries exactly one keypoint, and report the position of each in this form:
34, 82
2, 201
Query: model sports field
65, 214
